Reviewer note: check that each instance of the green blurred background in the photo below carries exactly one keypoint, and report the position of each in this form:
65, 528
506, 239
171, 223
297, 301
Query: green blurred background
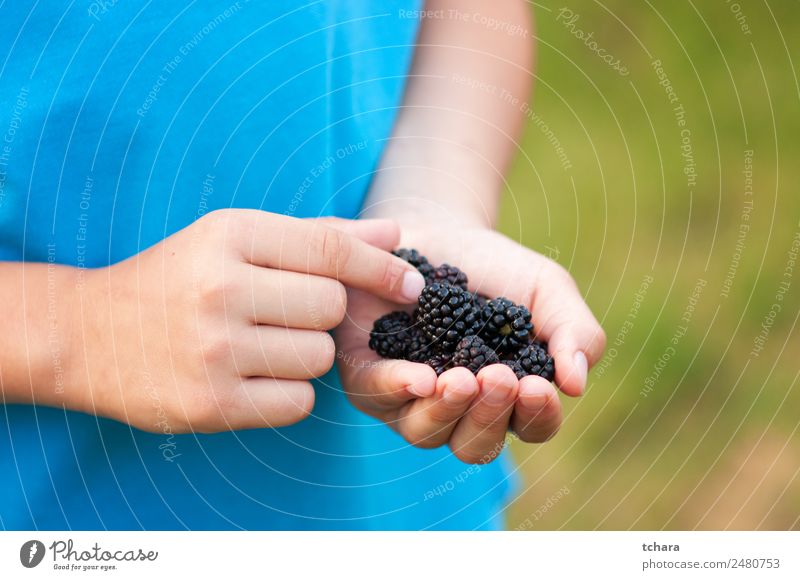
708, 438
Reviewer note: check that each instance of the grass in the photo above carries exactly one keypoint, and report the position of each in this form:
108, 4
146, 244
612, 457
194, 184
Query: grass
715, 443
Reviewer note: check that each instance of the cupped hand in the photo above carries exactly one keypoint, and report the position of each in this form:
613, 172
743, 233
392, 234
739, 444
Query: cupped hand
471, 413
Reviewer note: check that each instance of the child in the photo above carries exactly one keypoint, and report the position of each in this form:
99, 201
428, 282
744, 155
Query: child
152, 345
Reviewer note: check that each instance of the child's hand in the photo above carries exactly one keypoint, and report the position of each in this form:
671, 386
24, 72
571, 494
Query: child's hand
472, 414
220, 326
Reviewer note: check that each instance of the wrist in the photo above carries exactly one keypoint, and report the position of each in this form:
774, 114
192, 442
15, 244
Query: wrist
416, 212
419, 186
38, 347
87, 340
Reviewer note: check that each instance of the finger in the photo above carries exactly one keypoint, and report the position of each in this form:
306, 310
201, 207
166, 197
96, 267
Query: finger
480, 435
376, 385
575, 339
429, 422
560, 316
275, 351
537, 413
382, 385
381, 233
574, 349
284, 298
263, 402
310, 247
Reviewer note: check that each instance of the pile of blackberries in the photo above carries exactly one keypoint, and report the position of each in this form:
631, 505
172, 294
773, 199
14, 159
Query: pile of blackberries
452, 327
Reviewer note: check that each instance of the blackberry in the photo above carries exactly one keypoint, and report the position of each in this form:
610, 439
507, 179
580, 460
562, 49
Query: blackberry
395, 335
418, 348
452, 327
472, 352
447, 274
533, 360
440, 362
413, 257
417, 260
447, 315
391, 335
427, 271
506, 326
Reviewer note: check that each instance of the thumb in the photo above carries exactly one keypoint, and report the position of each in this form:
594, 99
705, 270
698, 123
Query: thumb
575, 338
367, 264
576, 346
381, 233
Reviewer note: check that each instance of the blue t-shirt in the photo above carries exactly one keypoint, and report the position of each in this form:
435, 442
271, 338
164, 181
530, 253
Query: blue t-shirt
123, 122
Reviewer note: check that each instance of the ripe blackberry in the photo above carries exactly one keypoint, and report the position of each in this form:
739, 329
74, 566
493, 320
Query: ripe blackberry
413, 257
447, 315
440, 362
427, 271
506, 326
418, 348
472, 352
417, 260
447, 274
481, 301
533, 360
391, 335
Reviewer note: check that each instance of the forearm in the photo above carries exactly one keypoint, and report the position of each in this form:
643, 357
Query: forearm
461, 116
36, 307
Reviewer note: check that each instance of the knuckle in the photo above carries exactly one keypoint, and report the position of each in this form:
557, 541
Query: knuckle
232, 214
536, 434
418, 436
324, 355
216, 290
471, 456
390, 274
489, 420
216, 349
567, 278
541, 427
303, 408
213, 218
444, 414
226, 226
334, 305
219, 219
334, 249
602, 339
559, 274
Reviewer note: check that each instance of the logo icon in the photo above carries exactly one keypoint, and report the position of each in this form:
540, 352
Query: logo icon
31, 553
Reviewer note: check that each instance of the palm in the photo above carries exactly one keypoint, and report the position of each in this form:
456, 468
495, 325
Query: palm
406, 394
352, 336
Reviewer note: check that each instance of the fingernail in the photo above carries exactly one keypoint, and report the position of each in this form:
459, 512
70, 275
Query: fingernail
497, 395
412, 285
581, 369
455, 395
419, 390
534, 402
